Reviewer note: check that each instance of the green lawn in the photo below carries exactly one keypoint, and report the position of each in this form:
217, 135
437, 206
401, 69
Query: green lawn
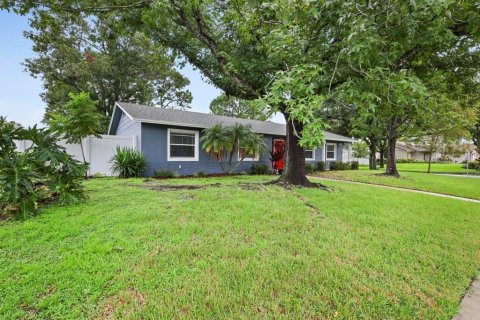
450, 185
238, 250
453, 168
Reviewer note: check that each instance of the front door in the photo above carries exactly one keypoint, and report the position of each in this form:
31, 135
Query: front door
278, 155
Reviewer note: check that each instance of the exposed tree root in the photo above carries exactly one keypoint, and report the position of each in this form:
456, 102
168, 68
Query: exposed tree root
392, 175
313, 209
282, 182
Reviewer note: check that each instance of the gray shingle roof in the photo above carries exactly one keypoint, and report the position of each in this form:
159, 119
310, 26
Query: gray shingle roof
149, 114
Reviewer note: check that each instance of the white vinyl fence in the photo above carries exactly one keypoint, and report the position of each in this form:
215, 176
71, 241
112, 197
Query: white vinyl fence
98, 151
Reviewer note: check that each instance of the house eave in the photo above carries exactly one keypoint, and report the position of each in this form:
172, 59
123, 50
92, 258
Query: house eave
189, 125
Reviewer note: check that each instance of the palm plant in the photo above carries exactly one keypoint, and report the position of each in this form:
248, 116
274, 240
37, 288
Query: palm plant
224, 142
253, 143
215, 141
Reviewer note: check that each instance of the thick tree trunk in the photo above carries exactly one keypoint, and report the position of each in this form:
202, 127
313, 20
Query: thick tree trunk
382, 157
372, 158
295, 172
381, 149
430, 162
392, 142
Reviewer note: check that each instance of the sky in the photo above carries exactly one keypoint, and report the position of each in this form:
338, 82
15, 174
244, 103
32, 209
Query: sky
20, 93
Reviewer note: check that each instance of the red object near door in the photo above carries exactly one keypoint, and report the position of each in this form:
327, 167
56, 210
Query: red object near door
278, 152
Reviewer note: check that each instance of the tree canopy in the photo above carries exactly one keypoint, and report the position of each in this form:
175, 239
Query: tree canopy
235, 107
101, 56
77, 120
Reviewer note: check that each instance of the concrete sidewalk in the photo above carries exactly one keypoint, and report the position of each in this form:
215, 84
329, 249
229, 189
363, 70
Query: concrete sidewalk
474, 176
400, 189
470, 306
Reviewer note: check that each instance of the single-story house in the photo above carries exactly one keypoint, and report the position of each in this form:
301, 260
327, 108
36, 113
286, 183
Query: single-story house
170, 138
406, 150
410, 151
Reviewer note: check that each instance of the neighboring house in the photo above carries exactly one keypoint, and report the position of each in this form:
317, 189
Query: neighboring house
170, 139
474, 155
410, 151
402, 151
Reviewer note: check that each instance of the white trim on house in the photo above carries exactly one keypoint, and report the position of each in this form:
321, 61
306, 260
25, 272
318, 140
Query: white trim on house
313, 154
257, 157
334, 151
123, 113
197, 144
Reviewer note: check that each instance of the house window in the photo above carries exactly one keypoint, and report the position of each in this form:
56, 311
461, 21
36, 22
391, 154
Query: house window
310, 154
247, 156
182, 145
331, 151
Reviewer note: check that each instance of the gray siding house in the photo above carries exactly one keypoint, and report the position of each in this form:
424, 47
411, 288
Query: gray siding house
170, 139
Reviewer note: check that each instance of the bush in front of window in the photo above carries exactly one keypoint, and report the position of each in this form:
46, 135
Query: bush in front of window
259, 169
163, 174
128, 162
320, 166
354, 165
338, 166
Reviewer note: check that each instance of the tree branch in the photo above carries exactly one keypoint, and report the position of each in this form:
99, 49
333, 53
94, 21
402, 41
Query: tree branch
136, 5
200, 31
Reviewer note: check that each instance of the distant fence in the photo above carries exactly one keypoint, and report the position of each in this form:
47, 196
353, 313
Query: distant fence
98, 151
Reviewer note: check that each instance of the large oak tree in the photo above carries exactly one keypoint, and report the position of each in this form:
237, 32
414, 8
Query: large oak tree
296, 55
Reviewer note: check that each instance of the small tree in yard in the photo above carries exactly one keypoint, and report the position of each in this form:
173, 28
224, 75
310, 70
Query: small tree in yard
360, 150
224, 143
78, 120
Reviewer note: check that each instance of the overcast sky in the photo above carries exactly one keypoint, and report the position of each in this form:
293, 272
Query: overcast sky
19, 92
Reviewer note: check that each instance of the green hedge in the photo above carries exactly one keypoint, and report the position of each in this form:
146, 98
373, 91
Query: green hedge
338, 166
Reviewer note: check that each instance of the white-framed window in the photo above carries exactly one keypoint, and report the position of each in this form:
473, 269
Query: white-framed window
309, 154
248, 157
182, 145
331, 151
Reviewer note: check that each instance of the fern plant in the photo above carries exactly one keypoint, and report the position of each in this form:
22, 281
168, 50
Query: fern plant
128, 162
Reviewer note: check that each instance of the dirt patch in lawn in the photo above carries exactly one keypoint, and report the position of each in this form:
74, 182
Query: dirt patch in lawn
313, 209
252, 186
176, 187
127, 301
